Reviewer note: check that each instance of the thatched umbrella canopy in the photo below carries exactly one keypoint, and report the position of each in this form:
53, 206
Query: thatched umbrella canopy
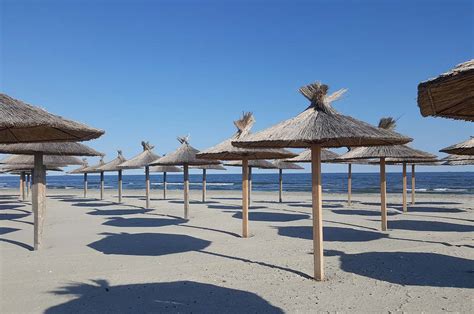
318, 126
143, 160
403, 152
458, 160
39, 150
24, 123
93, 169
464, 148
79, 170
450, 95
281, 165
113, 165
49, 160
184, 156
305, 156
204, 169
226, 151
165, 170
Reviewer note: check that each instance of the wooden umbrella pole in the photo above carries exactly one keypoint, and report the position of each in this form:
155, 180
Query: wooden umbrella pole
349, 185
245, 198
186, 191
317, 212
404, 192
102, 185
204, 185
383, 194
38, 198
85, 185
250, 186
164, 185
413, 184
147, 186
120, 186
22, 186
280, 180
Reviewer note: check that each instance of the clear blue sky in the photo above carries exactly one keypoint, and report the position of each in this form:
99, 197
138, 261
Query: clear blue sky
153, 70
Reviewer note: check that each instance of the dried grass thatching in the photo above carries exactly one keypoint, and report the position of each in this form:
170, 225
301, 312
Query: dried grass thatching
49, 148
141, 160
321, 124
283, 164
85, 165
450, 95
226, 151
408, 161
165, 169
464, 148
113, 165
94, 168
256, 163
305, 156
458, 160
17, 169
209, 167
184, 155
48, 160
23, 123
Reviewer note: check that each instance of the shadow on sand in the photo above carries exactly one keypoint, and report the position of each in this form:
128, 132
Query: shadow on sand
331, 234
97, 204
269, 216
420, 225
410, 268
117, 212
325, 205
362, 212
13, 216
233, 207
159, 297
425, 209
142, 222
5, 230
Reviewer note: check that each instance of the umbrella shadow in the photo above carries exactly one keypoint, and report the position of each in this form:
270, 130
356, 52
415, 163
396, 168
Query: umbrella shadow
13, 216
97, 204
117, 212
147, 244
420, 225
273, 217
160, 297
325, 205
193, 202
426, 209
5, 230
234, 207
17, 243
410, 268
227, 198
11, 206
362, 212
142, 222
331, 234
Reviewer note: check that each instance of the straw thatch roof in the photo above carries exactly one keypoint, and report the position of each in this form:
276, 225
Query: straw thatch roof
393, 151
305, 156
93, 168
458, 160
165, 169
209, 167
257, 163
113, 165
184, 155
85, 165
141, 160
450, 95
282, 164
49, 148
17, 169
23, 123
464, 148
226, 151
410, 161
48, 160
321, 124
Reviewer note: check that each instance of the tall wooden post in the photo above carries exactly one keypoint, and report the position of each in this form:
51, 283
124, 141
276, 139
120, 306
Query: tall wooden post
413, 184
349, 185
119, 186
39, 198
186, 192
404, 192
245, 198
280, 181
85, 184
383, 194
22, 186
147, 186
250, 186
28, 185
101, 185
204, 182
164, 185
317, 212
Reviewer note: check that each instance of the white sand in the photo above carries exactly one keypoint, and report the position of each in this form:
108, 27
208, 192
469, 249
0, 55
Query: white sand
99, 256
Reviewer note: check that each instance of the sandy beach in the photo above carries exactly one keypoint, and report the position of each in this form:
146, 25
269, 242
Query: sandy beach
104, 257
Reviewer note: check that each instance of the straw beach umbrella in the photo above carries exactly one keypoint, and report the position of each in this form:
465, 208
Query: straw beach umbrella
113, 165
204, 169
458, 160
450, 95
281, 165
39, 180
184, 156
143, 160
383, 152
464, 148
226, 151
165, 170
84, 166
94, 169
320, 126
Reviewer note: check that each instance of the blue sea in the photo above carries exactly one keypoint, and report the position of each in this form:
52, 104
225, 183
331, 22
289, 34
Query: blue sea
426, 182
